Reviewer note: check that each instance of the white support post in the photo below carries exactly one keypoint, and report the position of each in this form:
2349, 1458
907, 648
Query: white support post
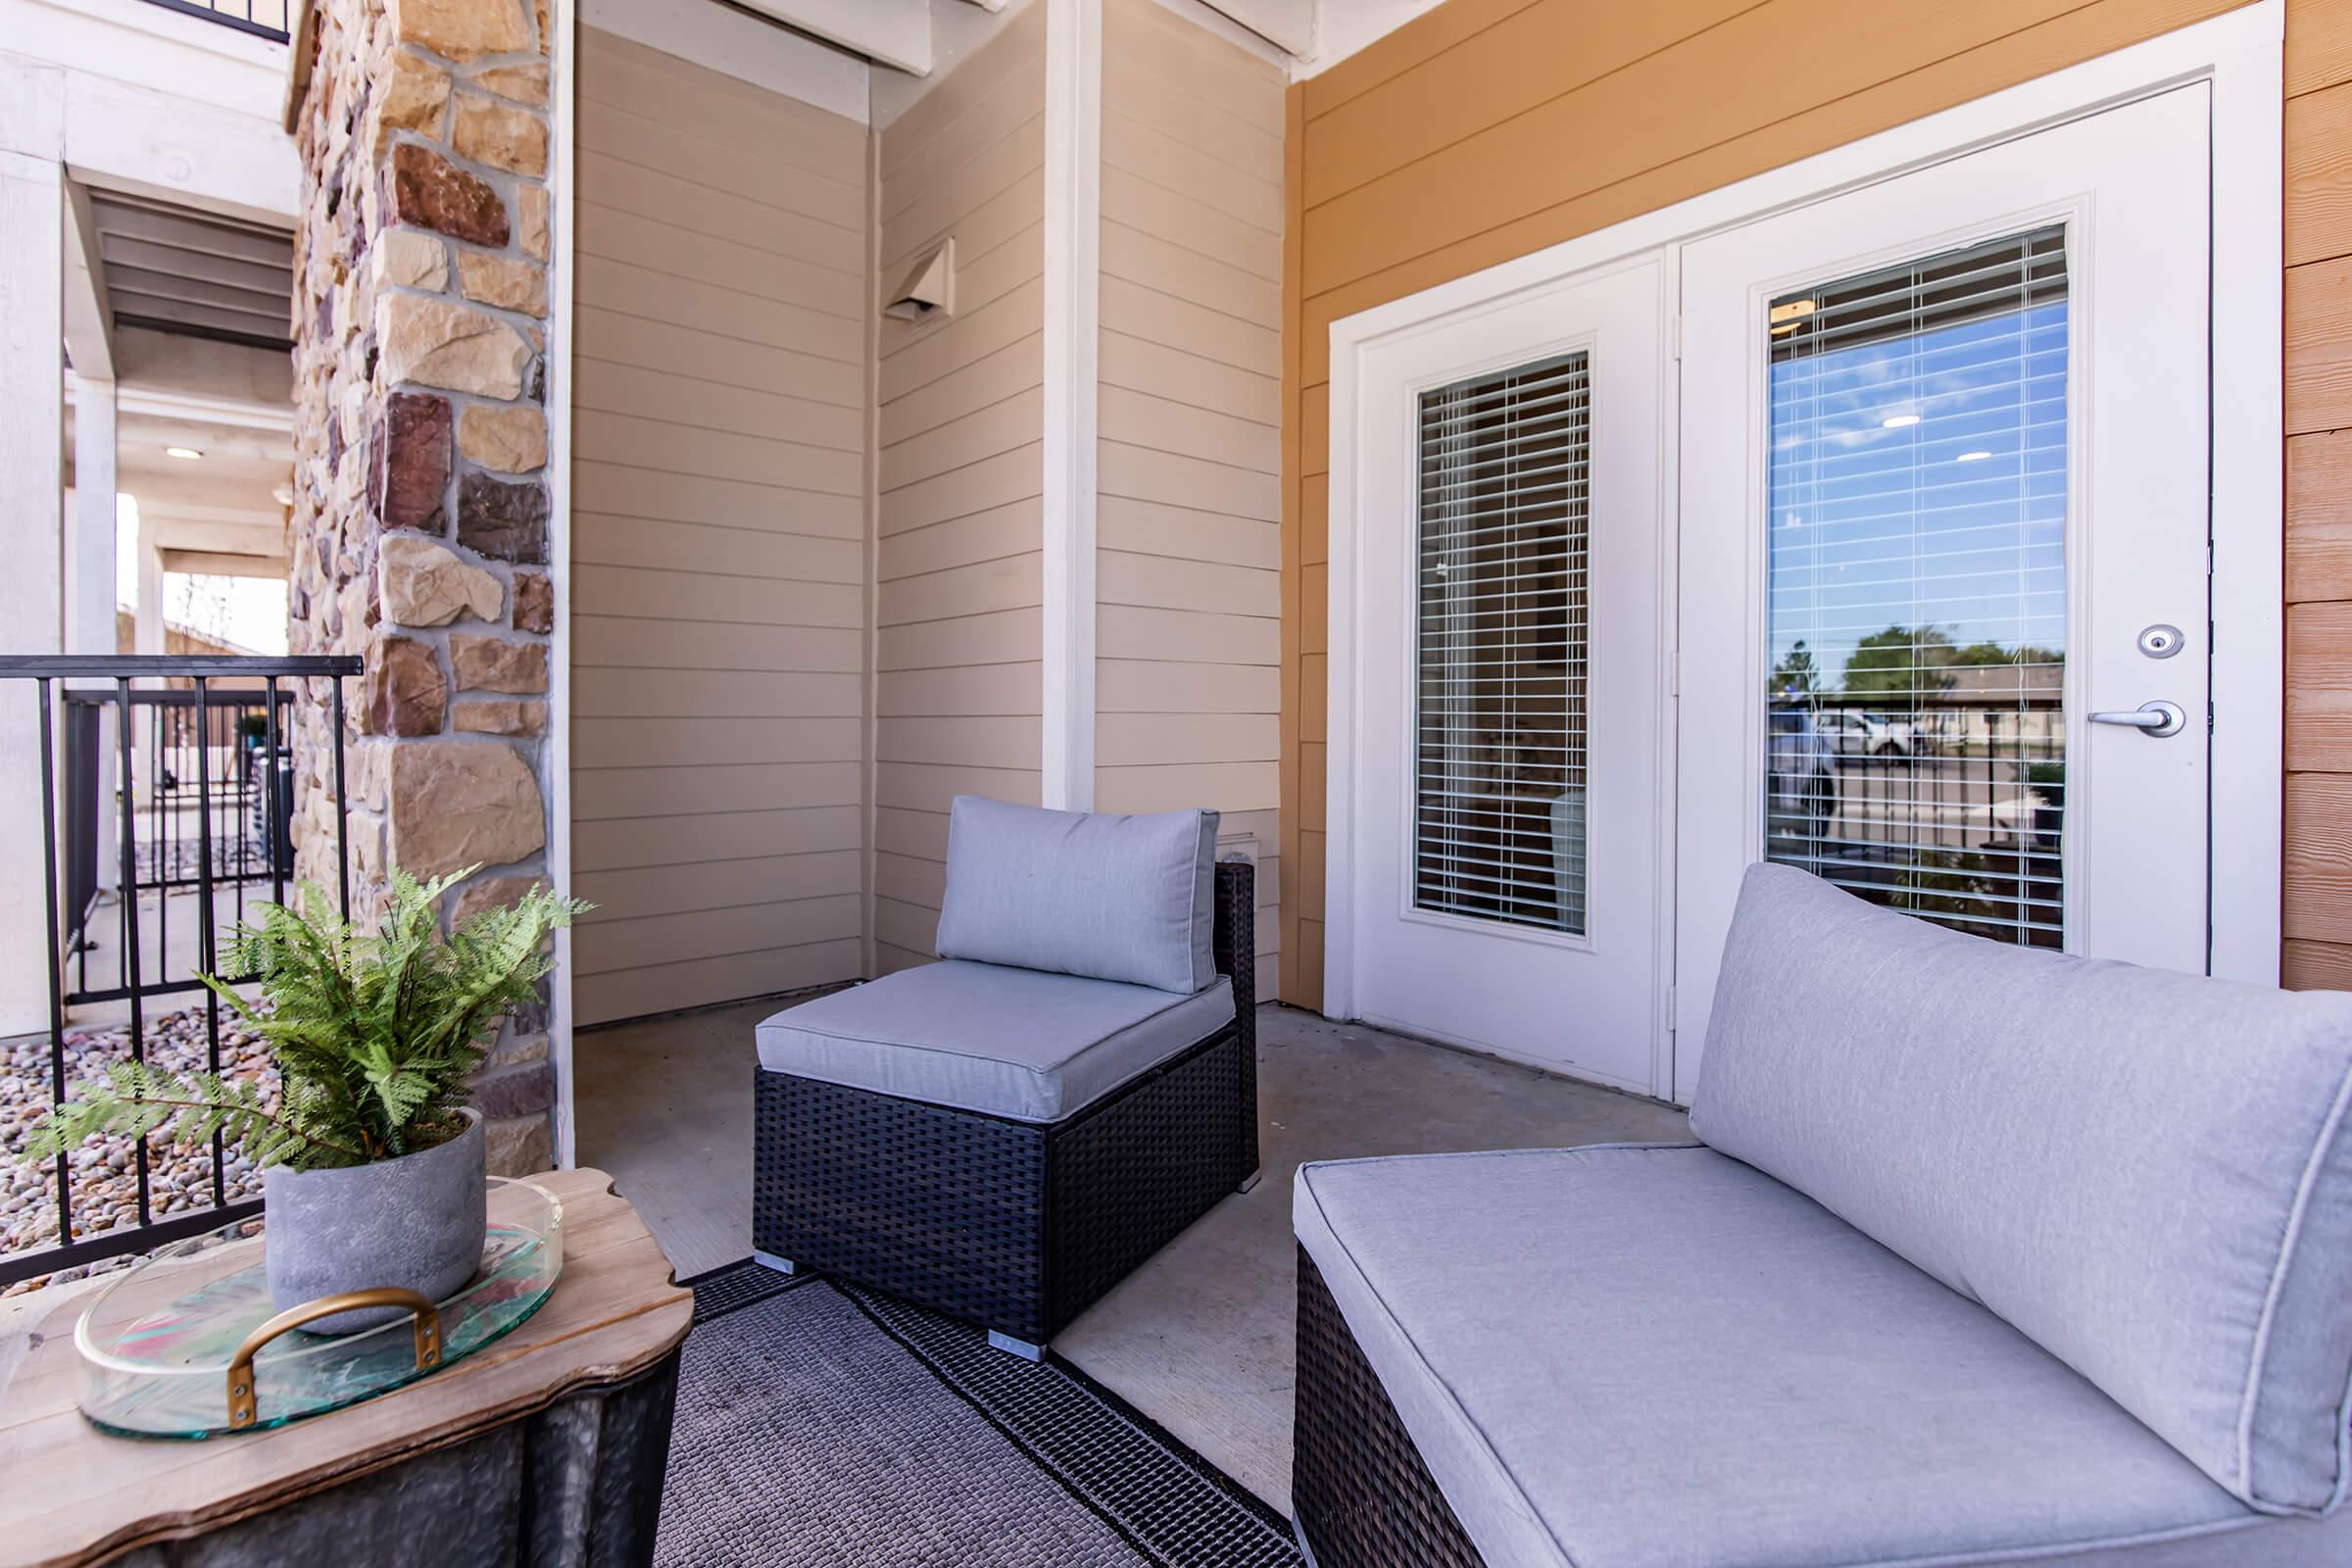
146, 637
1073, 291
147, 626
90, 530
90, 579
32, 216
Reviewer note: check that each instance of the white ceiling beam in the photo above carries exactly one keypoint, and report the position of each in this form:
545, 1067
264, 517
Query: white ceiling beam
206, 563
149, 143
889, 33
197, 409
89, 317
258, 513
172, 530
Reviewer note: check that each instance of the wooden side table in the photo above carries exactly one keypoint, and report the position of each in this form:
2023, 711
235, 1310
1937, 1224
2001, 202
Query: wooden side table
546, 1447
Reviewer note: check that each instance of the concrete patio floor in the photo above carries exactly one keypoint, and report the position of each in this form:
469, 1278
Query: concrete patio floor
1200, 1339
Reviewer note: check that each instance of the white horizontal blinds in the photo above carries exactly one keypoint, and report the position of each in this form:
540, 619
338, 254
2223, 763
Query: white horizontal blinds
1499, 825
1915, 721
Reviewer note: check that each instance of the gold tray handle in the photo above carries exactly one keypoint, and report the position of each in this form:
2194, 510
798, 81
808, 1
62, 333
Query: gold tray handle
424, 1322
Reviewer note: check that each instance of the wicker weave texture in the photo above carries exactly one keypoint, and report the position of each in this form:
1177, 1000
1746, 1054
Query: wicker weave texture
940, 1207
1123, 1182
1363, 1495
1013, 1225
1236, 943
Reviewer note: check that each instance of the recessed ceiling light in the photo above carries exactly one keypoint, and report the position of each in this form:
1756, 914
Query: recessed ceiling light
1898, 421
184, 454
1971, 457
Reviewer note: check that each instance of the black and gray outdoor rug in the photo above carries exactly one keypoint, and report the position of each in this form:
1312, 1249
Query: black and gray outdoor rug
819, 1426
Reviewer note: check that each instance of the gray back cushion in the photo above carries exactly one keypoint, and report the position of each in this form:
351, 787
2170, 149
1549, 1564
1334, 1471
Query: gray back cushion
1091, 893
2149, 1173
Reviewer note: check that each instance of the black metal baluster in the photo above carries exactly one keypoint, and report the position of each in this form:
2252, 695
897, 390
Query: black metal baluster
81, 920
240, 784
168, 725
270, 804
207, 934
57, 1000
131, 928
342, 804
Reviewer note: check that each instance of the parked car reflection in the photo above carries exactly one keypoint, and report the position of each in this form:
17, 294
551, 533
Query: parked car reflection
1859, 732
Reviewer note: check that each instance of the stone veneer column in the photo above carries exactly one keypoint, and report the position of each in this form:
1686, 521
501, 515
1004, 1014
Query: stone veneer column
420, 535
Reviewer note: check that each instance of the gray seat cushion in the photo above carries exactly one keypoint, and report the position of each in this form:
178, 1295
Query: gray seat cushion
2149, 1173
1016, 1043
1655, 1356
1090, 893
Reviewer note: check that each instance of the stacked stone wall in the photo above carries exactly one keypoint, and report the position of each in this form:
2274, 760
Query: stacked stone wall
420, 532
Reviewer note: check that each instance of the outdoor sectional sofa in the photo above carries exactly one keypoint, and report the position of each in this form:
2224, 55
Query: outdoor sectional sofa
1988, 1255
1004, 1135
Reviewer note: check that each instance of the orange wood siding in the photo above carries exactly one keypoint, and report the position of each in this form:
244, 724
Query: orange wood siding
1489, 128
2319, 494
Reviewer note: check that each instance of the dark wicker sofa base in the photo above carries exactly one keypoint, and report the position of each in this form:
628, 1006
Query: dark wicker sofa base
1016, 1226
1362, 1496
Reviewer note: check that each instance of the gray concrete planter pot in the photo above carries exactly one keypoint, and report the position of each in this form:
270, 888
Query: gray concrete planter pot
415, 1222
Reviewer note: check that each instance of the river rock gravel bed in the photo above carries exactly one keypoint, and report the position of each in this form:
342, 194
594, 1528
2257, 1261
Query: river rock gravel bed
105, 1178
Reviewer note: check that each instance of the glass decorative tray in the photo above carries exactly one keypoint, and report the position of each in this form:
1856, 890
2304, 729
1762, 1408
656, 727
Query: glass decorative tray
161, 1342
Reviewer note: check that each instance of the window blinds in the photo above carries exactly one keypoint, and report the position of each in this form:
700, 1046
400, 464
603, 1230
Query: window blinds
1916, 733
1499, 825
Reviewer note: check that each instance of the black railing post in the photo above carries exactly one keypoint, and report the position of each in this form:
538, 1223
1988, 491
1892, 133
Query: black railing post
207, 932
130, 927
342, 804
271, 801
165, 833
57, 997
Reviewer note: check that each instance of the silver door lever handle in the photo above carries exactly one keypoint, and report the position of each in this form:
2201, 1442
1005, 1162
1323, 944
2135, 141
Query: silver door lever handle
2153, 719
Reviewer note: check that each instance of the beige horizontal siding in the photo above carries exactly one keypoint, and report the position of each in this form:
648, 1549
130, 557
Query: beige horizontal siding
719, 537
960, 471
1188, 525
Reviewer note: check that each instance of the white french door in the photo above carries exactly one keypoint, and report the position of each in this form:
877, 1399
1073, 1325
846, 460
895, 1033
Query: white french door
1510, 697
1943, 582
1901, 492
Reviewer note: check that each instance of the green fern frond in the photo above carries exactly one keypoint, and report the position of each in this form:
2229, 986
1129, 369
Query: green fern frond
139, 1100
375, 1035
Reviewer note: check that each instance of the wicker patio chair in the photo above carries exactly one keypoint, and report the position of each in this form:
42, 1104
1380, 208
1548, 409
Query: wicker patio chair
1005, 1144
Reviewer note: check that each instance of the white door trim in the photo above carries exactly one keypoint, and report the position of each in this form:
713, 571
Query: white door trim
564, 192
2240, 53
1073, 307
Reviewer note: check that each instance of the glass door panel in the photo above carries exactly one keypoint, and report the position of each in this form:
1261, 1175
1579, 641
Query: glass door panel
1499, 825
1916, 590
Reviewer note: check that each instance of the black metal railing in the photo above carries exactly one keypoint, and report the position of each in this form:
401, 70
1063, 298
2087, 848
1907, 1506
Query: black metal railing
1950, 806
202, 790
202, 764
264, 18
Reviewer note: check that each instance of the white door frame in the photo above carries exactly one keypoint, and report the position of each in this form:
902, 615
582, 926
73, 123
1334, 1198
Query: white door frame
1632, 353
2240, 53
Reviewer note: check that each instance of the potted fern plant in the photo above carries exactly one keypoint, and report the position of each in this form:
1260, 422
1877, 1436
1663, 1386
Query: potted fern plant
374, 1162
